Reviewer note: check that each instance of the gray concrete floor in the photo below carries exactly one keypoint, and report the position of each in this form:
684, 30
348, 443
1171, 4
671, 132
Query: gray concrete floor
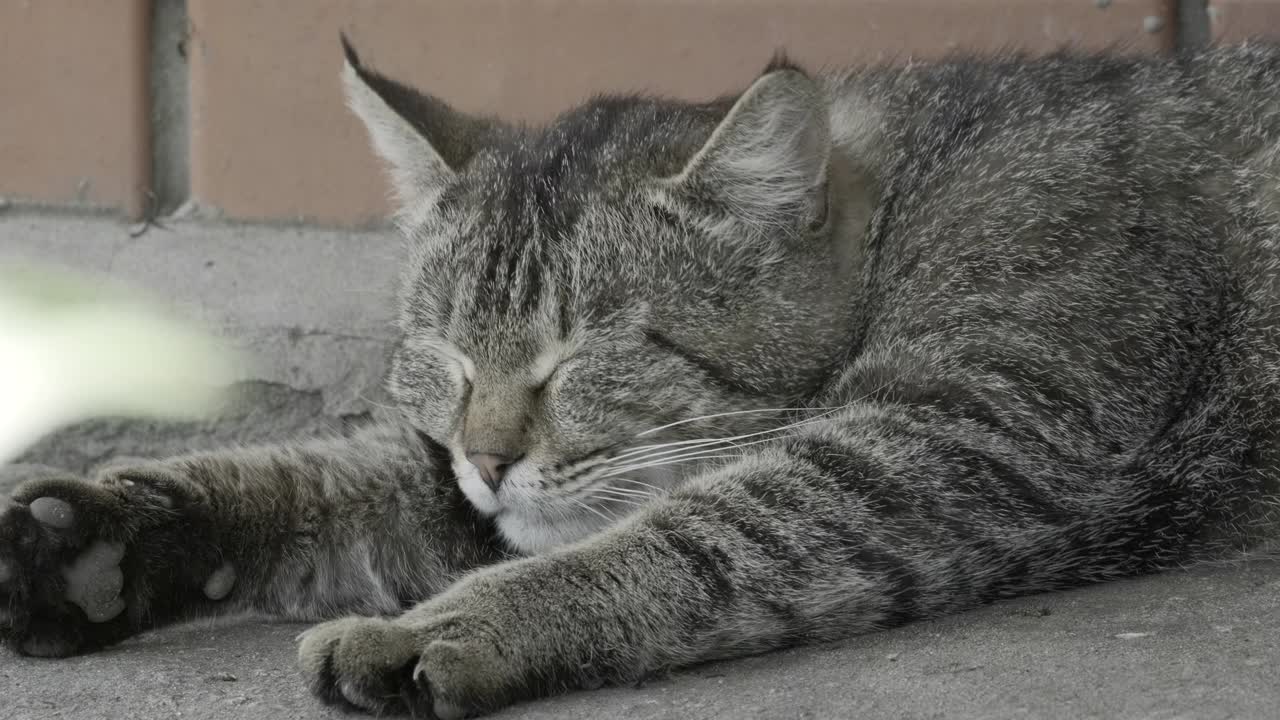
1201, 644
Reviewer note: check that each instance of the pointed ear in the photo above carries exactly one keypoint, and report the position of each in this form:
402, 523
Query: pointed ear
767, 161
423, 141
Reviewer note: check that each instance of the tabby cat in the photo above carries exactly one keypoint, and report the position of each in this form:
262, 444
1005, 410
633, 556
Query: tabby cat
681, 381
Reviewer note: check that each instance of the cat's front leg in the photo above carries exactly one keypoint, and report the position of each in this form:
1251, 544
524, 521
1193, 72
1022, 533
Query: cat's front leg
629, 603
310, 530
476, 650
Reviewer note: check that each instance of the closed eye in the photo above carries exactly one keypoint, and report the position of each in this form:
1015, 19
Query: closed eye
545, 365
438, 346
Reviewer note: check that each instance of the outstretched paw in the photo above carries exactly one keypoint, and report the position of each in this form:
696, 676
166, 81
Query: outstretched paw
79, 567
364, 663
61, 580
393, 667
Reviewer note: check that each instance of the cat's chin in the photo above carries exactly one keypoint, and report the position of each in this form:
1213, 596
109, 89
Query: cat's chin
533, 533
518, 511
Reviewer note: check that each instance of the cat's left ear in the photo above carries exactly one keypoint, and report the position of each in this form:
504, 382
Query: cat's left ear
423, 141
767, 161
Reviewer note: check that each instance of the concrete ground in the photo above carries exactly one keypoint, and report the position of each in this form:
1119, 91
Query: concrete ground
312, 308
308, 309
1201, 644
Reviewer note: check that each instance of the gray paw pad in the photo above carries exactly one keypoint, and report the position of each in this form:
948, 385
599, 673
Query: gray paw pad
220, 582
53, 512
94, 581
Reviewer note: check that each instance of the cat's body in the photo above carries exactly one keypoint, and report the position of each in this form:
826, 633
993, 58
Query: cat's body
929, 335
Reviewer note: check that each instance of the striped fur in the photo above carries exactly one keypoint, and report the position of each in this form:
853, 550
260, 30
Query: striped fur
830, 355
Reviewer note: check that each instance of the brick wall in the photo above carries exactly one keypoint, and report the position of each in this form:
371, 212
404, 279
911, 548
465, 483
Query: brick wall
234, 105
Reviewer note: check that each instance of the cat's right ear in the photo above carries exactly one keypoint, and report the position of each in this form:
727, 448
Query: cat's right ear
423, 141
767, 161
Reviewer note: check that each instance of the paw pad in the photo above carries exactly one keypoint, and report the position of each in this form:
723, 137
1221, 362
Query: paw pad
219, 584
94, 581
53, 512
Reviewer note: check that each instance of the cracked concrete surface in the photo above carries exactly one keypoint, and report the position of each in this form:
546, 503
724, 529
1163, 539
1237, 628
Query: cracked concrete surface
313, 308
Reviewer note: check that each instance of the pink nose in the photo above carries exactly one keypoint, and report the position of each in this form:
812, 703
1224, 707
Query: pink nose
491, 466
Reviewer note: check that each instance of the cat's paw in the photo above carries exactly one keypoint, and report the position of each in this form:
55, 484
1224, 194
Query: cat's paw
61, 580
78, 566
443, 669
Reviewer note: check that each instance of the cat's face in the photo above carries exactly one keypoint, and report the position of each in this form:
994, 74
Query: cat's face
588, 303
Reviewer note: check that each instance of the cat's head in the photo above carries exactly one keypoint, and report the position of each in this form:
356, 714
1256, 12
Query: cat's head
582, 298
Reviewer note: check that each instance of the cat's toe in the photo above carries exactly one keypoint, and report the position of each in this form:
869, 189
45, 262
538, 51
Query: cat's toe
364, 663
53, 512
220, 583
461, 678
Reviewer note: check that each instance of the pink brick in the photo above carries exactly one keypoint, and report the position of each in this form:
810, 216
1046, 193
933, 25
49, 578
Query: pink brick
1238, 20
74, 118
272, 139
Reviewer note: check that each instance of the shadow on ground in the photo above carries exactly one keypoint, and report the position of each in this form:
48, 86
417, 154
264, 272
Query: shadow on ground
1196, 644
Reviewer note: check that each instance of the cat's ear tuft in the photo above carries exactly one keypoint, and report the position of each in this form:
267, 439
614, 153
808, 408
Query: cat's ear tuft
348, 50
423, 141
781, 61
767, 161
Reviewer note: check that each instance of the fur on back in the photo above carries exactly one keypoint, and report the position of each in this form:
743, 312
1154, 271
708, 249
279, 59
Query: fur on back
1072, 250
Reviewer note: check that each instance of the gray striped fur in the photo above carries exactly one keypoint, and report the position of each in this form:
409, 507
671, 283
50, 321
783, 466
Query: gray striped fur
829, 355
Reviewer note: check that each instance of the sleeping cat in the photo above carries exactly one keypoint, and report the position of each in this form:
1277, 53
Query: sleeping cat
681, 381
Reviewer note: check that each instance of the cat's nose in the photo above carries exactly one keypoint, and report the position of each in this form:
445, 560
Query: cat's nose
492, 467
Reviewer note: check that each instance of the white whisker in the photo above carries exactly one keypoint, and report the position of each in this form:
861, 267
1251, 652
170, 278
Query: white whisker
797, 423
624, 501
624, 491
725, 414
585, 506
709, 444
700, 455
633, 481
377, 404
640, 449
